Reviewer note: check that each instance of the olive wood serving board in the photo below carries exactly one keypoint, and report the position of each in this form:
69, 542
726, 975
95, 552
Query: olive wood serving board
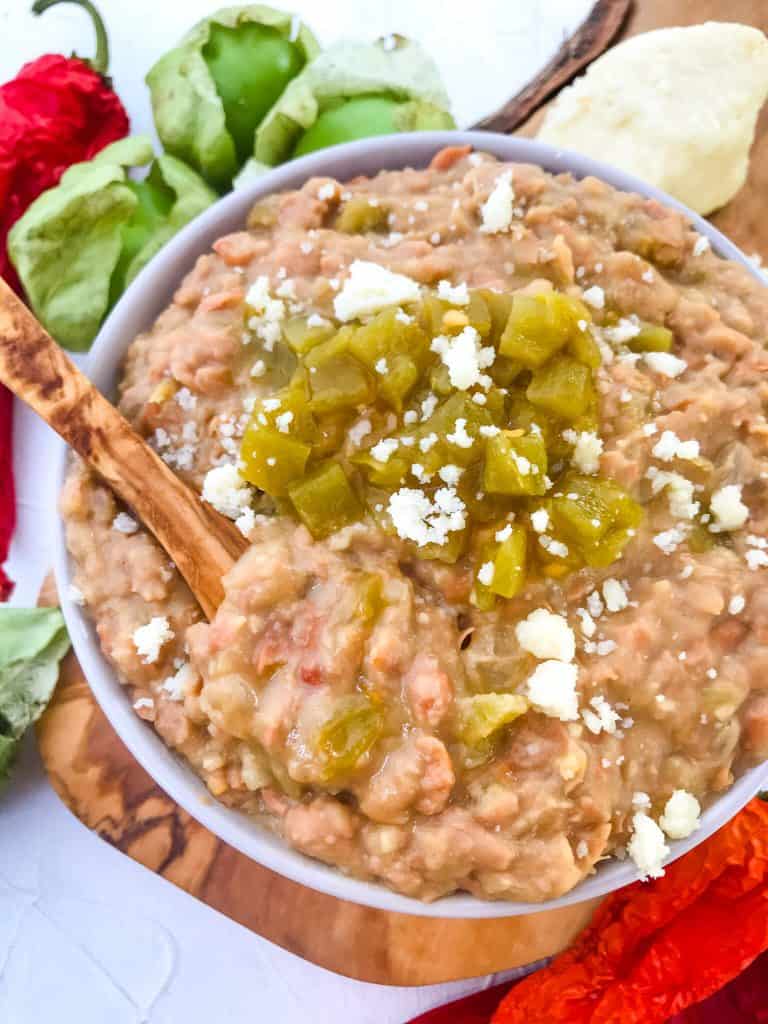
97, 778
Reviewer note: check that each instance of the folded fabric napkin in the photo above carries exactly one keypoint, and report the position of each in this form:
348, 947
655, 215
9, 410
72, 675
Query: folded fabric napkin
656, 949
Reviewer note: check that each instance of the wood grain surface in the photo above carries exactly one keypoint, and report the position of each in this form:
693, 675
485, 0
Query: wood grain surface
202, 544
101, 783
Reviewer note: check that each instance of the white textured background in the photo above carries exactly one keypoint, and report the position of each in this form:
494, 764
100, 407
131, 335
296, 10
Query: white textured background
86, 935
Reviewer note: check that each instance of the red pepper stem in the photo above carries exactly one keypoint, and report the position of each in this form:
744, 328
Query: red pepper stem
100, 61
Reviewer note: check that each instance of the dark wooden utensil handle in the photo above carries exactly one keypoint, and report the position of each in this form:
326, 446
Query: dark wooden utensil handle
203, 544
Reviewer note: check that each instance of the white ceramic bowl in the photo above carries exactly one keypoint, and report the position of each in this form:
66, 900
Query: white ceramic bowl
146, 297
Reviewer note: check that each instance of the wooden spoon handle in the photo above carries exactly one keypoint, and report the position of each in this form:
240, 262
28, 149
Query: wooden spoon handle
203, 544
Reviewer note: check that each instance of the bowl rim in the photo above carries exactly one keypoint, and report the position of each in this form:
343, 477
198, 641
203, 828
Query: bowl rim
145, 298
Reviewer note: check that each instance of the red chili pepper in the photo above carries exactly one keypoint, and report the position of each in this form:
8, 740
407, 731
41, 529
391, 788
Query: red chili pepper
653, 949
56, 112
7, 499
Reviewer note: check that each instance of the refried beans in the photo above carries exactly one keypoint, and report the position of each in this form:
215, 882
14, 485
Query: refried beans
426, 670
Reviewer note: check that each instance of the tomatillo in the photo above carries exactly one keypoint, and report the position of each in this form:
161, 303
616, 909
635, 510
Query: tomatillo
250, 66
357, 118
79, 245
352, 91
212, 91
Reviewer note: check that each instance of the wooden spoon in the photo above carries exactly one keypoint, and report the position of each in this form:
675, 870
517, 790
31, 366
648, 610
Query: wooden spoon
203, 544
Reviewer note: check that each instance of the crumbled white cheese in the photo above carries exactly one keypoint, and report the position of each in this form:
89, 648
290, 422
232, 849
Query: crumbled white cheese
385, 449
668, 540
268, 312
556, 548
640, 801
594, 296
701, 245
427, 442
496, 211
647, 847
358, 431
546, 636
186, 399
124, 523
420, 473
489, 431
681, 815
485, 573
457, 295
370, 288
259, 368
226, 491
283, 421
649, 429
175, 686
450, 474
729, 510
286, 289
669, 447
428, 406
540, 520
150, 638
679, 490
460, 437
588, 624
626, 329
464, 356
756, 559
418, 518
737, 604
315, 320
551, 689
504, 533
665, 363
615, 596
600, 716
246, 521
587, 451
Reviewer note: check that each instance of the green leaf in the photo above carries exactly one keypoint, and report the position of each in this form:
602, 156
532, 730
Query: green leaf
32, 643
403, 71
188, 112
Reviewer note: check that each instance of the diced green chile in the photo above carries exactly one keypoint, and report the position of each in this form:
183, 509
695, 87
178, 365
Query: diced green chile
81, 243
351, 91
212, 91
348, 735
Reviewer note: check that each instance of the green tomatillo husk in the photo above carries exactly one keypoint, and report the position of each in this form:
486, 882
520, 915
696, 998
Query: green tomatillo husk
81, 243
212, 91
